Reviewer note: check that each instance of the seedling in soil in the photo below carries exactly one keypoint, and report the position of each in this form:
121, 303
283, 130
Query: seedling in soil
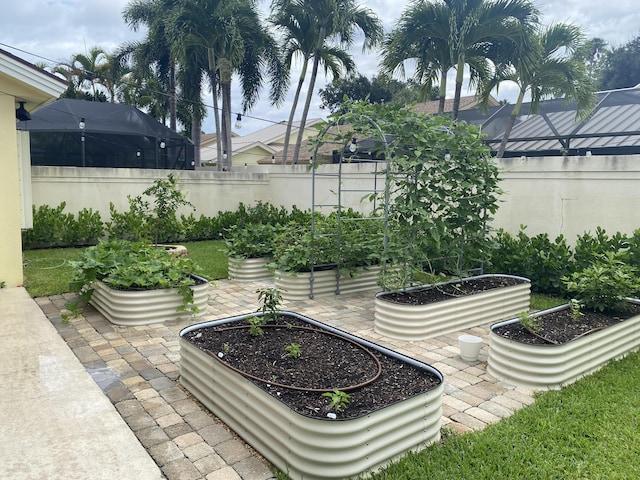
575, 306
271, 300
339, 400
531, 323
226, 348
293, 350
255, 325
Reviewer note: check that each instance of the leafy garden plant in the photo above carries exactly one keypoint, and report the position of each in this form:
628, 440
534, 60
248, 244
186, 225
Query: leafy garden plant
125, 265
338, 400
605, 284
441, 189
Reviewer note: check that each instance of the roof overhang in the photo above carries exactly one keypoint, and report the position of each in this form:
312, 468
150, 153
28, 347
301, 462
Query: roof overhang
28, 83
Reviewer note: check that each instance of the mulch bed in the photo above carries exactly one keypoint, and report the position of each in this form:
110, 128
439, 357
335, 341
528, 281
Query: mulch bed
326, 362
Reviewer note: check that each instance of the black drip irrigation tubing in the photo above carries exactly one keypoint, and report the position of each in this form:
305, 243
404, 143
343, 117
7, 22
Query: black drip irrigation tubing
304, 389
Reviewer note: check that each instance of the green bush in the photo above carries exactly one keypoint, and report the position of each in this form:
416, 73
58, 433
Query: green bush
537, 258
605, 284
590, 248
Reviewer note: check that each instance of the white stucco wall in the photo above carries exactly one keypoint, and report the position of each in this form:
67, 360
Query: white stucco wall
555, 195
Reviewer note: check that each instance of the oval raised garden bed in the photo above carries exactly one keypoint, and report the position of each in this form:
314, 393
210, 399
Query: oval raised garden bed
456, 306
291, 427
249, 269
297, 286
142, 307
542, 365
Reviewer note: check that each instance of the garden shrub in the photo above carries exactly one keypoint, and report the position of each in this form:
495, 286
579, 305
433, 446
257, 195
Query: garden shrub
591, 247
537, 258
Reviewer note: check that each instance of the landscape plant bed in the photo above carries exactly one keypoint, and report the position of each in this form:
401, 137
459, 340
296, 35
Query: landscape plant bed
297, 286
426, 311
563, 348
142, 307
276, 402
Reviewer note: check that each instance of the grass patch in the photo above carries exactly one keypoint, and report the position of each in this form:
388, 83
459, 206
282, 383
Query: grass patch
590, 429
541, 301
47, 272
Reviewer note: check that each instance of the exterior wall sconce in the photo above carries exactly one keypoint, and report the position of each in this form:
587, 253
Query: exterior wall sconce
353, 146
163, 144
22, 114
239, 121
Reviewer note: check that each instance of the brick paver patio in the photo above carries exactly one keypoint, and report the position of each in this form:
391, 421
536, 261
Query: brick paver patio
138, 369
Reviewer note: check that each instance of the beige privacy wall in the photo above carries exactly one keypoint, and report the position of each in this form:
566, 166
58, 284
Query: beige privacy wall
568, 195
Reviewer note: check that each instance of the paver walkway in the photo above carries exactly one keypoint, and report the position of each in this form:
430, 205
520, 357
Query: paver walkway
138, 369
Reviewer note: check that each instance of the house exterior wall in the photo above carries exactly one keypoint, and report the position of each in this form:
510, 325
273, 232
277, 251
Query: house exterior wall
10, 240
553, 195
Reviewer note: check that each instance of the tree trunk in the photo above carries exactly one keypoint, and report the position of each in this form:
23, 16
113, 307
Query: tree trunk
296, 99
196, 135
512, 121
443, 91
459, 78
216, 111
225, 90
173, 124
307, 105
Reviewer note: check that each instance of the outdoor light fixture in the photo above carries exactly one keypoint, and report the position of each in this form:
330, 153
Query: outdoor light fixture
224, 155
239, 121
138, 153
163, 144
273, 159
21, 113
447, 156
81, 125
354, 146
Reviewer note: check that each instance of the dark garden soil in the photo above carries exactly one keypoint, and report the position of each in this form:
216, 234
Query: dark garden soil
560, 327
326, 362
423, 296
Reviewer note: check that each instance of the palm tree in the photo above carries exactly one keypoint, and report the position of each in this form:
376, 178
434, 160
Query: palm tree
322, 31
234, 39
551, 67
473, 31
153, 55
86, 68
411, 40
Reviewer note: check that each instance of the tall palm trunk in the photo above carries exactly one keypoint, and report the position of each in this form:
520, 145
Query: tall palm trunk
196, 136
512, 120
307, 105
443, 92
296, 99
225, 89
214, 93
459, 78
173, 124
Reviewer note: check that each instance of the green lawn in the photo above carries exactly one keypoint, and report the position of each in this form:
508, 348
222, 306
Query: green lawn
47, 272
589, 430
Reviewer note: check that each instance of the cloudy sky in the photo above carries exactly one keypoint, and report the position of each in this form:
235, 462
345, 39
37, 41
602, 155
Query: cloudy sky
52, 31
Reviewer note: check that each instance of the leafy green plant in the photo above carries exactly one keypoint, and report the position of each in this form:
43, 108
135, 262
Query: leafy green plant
338, 400
530, 322
293, 350
537, 258
576, 309
604, 285
271, 299
442, 188
590, 247
167, 198
253, 240
256, 323
125, 265
74, 310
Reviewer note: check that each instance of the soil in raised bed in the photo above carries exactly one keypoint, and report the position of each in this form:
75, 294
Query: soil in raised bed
326, 362
438, 293
560, 327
